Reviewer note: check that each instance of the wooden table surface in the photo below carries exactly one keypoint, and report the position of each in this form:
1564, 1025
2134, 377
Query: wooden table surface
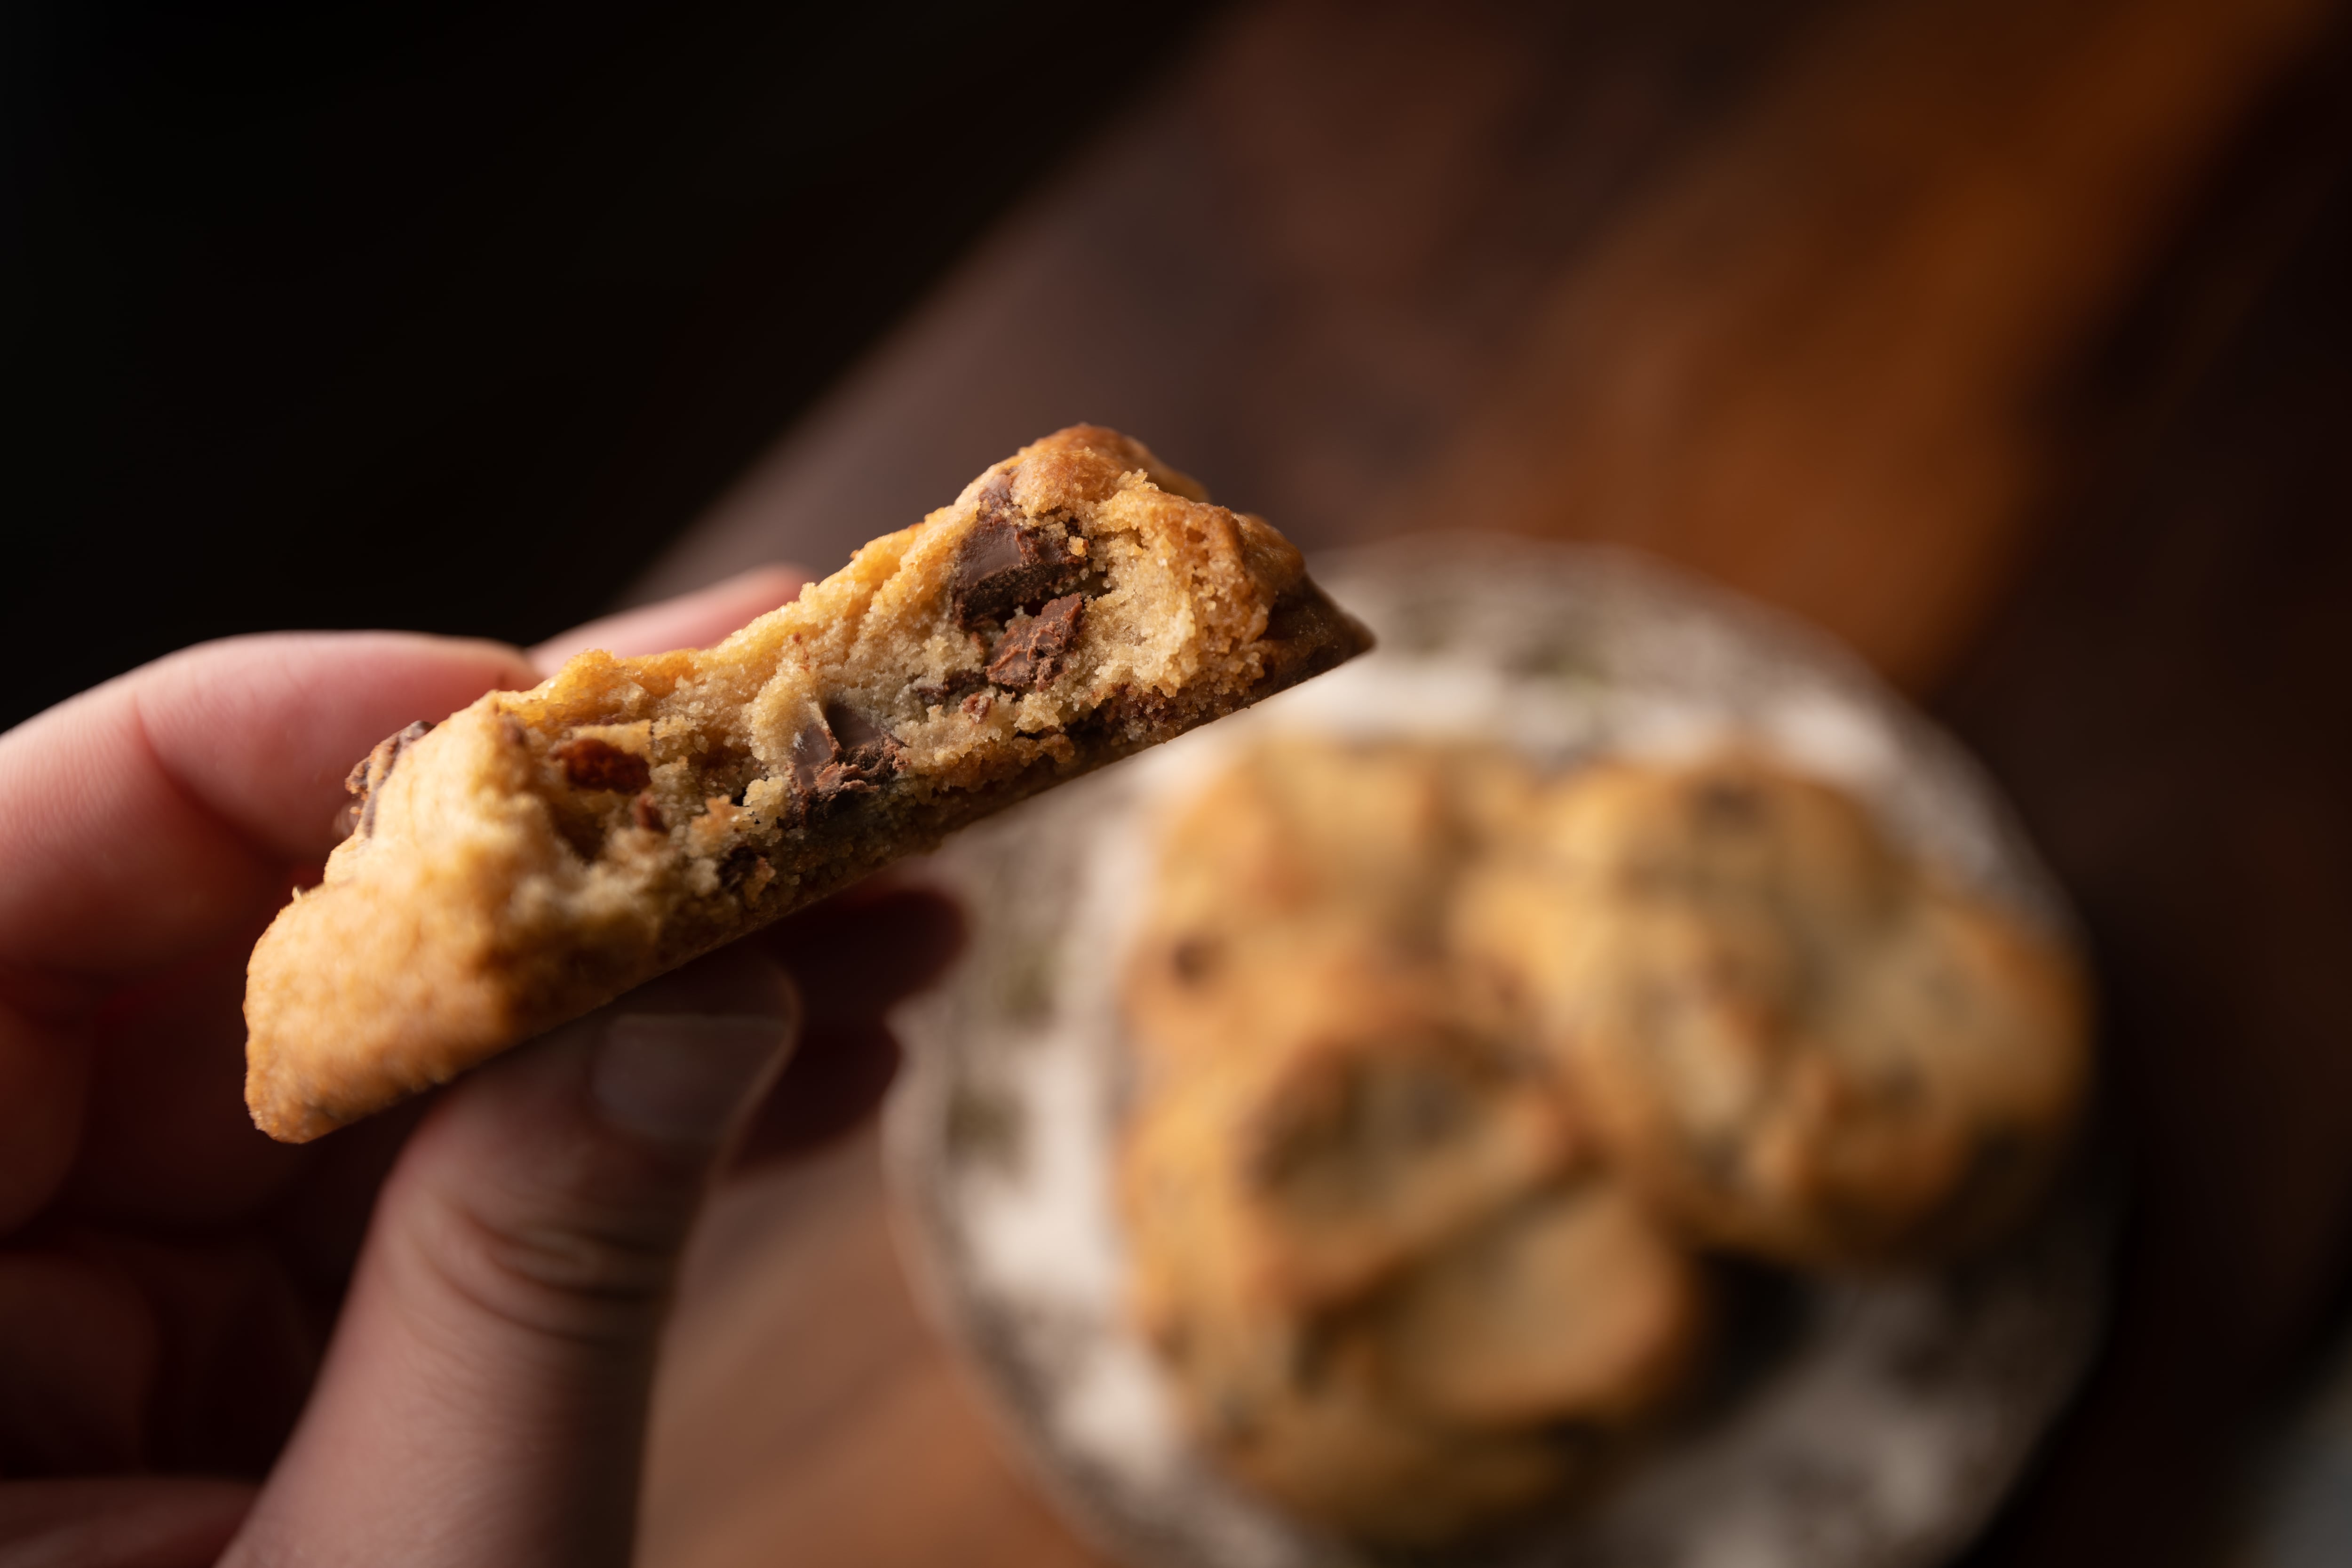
2002, 339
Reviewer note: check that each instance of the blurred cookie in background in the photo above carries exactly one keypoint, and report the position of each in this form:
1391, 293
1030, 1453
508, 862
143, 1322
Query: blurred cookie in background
1305, 856
1392, 1288
1799, 1044
1450, 1072
1519, 1364
1368, 1238
1359, 1121
1572, 1304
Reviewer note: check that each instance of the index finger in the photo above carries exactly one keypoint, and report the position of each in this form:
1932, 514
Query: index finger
142, 817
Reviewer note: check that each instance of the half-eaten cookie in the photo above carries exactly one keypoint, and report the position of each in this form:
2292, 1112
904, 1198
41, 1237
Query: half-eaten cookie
543, 851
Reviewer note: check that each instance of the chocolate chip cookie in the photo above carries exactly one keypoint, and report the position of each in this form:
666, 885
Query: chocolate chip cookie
1391, 1288
538, 852
1369, 1237
1798, 1042
1574, 1304
1306, 1421
1368, 1117
1303, 848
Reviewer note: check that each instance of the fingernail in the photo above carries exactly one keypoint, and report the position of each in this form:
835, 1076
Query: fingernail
683, 1078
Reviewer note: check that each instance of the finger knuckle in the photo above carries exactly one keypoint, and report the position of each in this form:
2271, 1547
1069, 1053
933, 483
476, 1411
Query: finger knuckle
597, 1278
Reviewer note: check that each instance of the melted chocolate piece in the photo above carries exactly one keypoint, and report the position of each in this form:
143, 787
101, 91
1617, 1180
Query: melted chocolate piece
1007, 563
842, 752
591, 763
1031, 654
955, 686
812, 749
839, 780
864, 743
368, 774
646, 812
740, 864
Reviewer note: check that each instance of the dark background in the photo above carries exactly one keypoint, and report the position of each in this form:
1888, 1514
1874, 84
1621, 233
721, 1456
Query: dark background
2164, 694
450, 316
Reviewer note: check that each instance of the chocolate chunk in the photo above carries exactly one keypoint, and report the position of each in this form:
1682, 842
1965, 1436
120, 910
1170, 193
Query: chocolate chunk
865, 747
843, 753
958, 683
976, 705
368, 774
647, 813
839, 780
1007, 563
1031, 654
812, 749
996, 496
591, 763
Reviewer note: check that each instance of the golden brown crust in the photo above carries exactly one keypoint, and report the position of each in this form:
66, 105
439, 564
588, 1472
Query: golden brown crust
541, 852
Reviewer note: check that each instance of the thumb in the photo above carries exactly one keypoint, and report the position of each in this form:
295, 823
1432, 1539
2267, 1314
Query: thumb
484, 1401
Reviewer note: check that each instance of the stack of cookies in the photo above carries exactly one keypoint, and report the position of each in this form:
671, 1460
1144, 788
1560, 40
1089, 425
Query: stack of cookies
1450, 1078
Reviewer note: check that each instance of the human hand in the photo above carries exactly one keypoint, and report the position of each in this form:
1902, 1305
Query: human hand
168, 1276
